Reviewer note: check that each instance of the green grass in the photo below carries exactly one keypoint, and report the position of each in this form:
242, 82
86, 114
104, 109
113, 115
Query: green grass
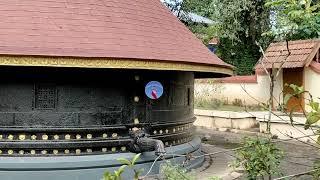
230, 108
216, 104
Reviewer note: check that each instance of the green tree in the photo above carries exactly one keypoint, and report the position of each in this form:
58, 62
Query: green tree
240, 25
295, 19
199, 7
204, 32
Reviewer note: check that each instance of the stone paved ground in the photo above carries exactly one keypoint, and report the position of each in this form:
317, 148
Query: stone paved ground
216, 165
298, 156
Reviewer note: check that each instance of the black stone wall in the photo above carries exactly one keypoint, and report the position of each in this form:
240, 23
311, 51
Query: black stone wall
77, 97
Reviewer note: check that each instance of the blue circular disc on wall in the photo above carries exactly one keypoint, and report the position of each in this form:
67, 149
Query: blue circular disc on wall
154, 90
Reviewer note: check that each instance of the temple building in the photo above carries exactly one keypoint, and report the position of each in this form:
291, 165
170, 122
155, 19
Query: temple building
77, 75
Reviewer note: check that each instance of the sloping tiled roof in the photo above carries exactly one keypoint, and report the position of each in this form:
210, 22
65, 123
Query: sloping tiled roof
301, 53
238, 79
214, 41
129, 29
232, 79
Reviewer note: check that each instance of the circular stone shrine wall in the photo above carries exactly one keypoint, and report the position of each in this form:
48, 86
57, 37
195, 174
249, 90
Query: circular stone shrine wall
73, 123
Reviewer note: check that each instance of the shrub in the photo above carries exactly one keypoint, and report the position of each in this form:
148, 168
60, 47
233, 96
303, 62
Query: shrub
204, 95
316, 167
237, 102
259, 157
256, 107
175, 172
208, 103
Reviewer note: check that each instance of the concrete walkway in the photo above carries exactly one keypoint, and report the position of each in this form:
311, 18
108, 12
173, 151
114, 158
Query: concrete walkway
216, 165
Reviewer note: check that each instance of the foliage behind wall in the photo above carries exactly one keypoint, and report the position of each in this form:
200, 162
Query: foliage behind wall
240, 24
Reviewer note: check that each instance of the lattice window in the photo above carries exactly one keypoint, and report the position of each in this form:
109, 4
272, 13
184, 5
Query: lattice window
45, 96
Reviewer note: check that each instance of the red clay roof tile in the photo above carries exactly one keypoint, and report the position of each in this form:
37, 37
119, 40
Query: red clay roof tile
131, 29
238, 79
277, 53
232, 79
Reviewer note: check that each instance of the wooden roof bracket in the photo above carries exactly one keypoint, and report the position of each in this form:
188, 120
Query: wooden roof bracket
314, 52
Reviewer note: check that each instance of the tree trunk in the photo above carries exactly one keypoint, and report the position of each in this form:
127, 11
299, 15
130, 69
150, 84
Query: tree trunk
270, 102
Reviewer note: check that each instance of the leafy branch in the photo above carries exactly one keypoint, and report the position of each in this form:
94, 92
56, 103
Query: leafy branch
116, 175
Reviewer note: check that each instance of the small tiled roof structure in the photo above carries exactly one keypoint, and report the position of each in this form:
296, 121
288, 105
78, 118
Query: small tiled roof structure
301, 54
214, 41
129, 30
189, 16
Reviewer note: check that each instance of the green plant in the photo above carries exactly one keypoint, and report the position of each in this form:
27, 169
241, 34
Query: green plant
215, 178
259, 158
204, 95
281, 107
175, 172
316, 174
313, 115
208, 103
237, 102
256, 107
237, 24
116, 175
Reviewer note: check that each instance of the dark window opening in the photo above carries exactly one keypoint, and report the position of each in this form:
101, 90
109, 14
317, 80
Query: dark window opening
45, 96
